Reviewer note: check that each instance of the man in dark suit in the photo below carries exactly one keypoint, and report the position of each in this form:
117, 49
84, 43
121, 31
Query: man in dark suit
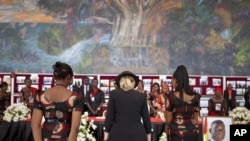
84, 90
229, 96
95, 99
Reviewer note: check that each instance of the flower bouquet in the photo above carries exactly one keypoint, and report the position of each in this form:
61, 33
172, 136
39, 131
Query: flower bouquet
86, 129
240, 115
163, 137
17, 112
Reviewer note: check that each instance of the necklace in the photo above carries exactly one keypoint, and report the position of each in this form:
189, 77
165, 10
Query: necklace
61, 85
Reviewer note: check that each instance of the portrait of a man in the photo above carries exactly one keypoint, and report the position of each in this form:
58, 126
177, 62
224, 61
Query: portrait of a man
217, 128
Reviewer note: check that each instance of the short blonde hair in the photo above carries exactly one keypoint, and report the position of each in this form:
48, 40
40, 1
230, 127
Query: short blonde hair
127, 83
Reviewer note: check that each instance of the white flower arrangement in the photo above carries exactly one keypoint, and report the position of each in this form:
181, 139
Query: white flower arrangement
86, 129
240, 115
17, 112
163, 137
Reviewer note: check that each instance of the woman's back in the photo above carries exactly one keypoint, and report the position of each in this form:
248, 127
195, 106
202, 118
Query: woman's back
182, 108
127, 117
128, 114
128, 104
57, 105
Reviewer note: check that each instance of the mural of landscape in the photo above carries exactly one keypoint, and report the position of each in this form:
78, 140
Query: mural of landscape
210, 37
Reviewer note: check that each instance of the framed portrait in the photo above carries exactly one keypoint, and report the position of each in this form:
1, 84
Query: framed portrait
112, 83
34, 78
247, 83
7, 79
192, 81
240, 91
167, 81
77, 81
47, 80
203, 81
216, 127
20, 79
146, 82
241, 84
198, 90
216, 82
104, 83
209, 90
232, 83
105, 89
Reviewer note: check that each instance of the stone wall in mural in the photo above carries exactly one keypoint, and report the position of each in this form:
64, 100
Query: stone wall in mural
210, 37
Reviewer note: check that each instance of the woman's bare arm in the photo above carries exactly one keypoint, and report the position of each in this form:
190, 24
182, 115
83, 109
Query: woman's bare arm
75, 123
36, 124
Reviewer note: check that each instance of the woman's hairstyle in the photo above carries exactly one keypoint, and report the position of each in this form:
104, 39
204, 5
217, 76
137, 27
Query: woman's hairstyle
127, 83
156, 84
3, 84
62, 70
182, 80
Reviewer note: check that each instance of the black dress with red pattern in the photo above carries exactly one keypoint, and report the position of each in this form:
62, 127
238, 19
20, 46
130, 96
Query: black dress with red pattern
182, 127
56, 126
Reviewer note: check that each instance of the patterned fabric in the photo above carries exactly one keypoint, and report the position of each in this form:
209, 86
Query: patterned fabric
182, 123
57, 115
158, 102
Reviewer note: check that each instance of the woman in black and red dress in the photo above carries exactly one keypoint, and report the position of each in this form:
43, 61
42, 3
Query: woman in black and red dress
28, 93
61, 108
217, 105
182, 108
156, 100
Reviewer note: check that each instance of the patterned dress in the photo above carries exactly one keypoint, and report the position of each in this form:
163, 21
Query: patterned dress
158, 102
57, 115
182, 127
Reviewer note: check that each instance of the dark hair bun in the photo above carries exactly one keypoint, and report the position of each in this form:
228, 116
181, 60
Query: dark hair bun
57, 66
61, 70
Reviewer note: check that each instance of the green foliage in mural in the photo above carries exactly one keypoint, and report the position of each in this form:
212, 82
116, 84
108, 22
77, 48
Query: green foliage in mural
213, 33
84, 66
52, 41
243, 54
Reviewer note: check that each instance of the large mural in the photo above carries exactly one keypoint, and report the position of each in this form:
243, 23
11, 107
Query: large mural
210, 37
